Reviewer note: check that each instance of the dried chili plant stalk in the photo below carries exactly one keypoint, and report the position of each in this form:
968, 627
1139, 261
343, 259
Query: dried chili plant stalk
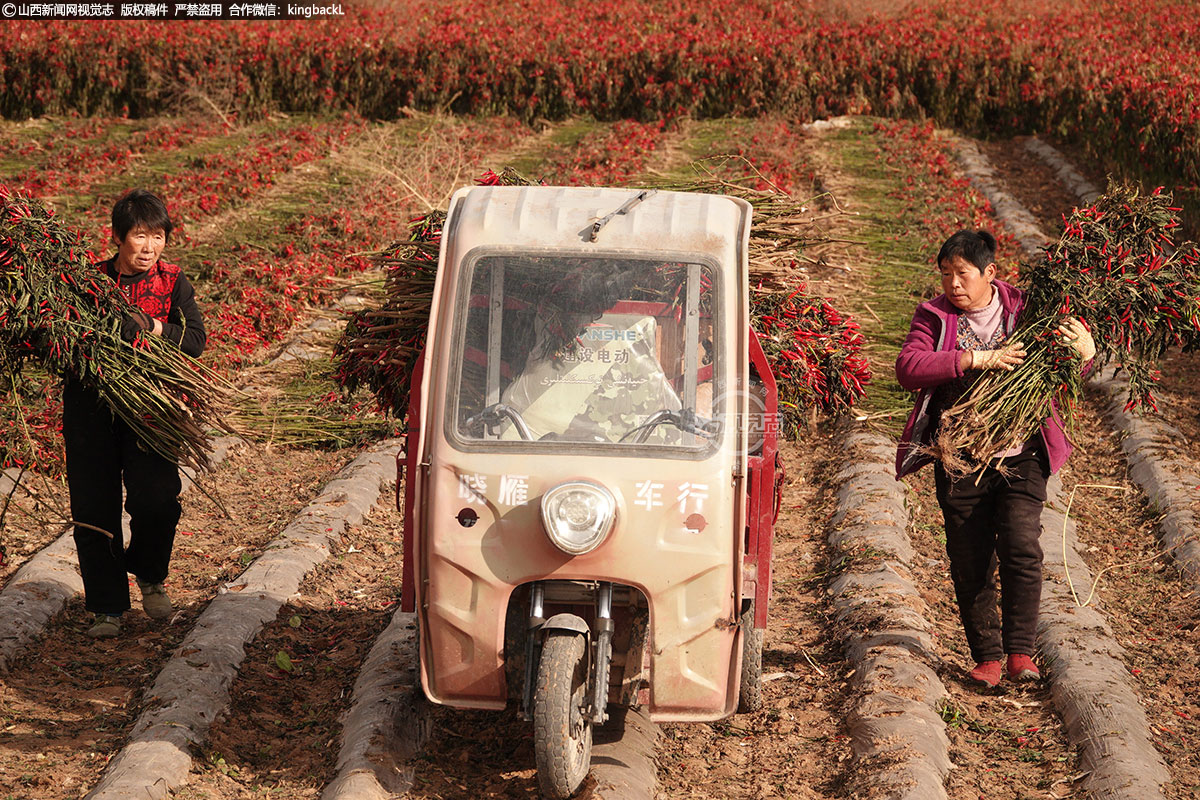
1115, 267
58, 312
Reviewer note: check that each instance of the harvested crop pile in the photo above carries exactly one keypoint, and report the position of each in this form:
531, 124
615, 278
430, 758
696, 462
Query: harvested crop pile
1115, 267
57, 312
814, 350
380, 346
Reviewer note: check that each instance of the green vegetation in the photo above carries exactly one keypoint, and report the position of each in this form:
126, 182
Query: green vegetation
893, 274
300, 410
535, 160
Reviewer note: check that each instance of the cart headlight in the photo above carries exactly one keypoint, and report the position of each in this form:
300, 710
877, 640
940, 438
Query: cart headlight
578, 515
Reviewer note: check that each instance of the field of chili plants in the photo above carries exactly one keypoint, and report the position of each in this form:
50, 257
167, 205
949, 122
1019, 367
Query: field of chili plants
295, 158
1120, 79
299, 204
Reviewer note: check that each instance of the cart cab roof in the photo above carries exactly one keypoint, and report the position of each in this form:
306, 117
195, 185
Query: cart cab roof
555, 217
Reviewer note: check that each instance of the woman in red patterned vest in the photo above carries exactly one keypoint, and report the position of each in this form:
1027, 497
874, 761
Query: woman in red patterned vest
103, 452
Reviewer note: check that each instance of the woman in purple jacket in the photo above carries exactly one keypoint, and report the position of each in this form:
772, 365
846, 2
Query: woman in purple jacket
992, 517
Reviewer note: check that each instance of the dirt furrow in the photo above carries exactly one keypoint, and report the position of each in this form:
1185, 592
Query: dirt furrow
69, 701
193, 686
1168, 478
1153, 618
1064, 171
623, 759
1009, 210
1004, 742
292, 716
900, 744
1090, 684
386, 724
805, 675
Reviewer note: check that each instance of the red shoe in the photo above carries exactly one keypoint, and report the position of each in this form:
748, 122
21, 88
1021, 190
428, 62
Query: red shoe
1022, 668
987, 673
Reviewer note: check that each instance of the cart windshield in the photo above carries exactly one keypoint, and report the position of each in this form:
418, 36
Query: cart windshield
591, 352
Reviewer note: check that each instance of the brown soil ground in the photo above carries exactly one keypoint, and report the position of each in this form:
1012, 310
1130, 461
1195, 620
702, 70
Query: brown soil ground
70, 701
1029, 180
282, 733
477, 754
1152, 612
804, 673
1177, 406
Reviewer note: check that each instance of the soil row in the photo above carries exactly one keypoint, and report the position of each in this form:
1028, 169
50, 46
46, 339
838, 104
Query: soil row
1094, 689
899, 737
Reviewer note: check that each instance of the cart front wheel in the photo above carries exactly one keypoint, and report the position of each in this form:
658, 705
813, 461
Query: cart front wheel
750, 693
562, 735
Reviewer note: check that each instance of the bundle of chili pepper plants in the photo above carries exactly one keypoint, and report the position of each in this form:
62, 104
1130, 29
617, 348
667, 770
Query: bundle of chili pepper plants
1115, 267
813, 349
379, 349
815, 353
59, 313
783, 230
31, 416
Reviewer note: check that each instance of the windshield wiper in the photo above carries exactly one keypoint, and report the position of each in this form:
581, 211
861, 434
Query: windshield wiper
599, 224
685, 419
497, 413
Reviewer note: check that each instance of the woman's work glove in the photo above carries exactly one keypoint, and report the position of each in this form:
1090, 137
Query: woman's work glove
1075, 335
1005, 358
134, 323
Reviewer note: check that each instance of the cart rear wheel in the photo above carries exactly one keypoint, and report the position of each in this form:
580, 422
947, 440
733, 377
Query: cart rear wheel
562, 735
750, 693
